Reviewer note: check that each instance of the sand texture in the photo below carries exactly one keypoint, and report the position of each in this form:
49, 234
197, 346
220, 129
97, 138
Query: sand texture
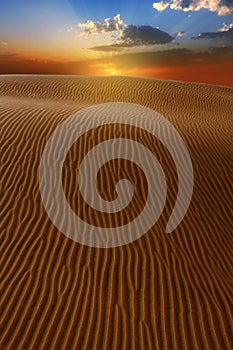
162, 291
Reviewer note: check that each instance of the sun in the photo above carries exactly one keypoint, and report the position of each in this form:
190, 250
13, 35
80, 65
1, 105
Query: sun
112, 71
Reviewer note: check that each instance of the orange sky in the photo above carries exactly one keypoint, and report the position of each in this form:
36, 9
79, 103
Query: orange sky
192, 42
214, 67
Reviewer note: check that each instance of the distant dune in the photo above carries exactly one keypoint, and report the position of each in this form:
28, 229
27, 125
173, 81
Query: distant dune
162, 291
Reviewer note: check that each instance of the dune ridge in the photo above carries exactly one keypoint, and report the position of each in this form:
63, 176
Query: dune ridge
160, 292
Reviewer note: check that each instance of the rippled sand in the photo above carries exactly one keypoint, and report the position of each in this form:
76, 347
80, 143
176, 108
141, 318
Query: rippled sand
162, 291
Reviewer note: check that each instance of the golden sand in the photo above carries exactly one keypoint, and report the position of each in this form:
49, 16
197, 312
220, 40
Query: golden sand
162, 291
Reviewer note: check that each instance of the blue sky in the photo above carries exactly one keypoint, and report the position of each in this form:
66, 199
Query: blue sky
141, 12
44, 20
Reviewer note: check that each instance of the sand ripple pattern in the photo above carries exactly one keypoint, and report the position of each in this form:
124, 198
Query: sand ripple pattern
65, 136
162, 291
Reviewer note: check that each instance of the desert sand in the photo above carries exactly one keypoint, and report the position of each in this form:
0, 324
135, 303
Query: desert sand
162, 291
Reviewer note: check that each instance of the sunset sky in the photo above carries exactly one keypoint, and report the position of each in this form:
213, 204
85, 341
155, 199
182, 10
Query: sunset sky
172, 39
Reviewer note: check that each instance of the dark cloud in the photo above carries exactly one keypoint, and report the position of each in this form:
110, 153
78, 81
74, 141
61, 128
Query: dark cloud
186, 3
6, 56
222, 51
174, 57
137, 36
13, 63
177, 57
145, 35
112, 47
228, 4
227, 34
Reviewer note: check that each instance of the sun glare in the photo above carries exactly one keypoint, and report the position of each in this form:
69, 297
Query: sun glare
112, 71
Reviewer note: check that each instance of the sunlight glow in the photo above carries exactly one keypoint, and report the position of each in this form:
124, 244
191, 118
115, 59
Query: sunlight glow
113, 71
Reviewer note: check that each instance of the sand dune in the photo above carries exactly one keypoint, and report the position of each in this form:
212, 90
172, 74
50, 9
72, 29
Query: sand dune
162, 291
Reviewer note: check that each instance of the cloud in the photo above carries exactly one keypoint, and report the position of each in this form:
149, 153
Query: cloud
145, 35
226, 32
107, 26
128, 35
111, 47
178, 57
222, 7
133, 36
222, 51
160, 6
179, 34
226, 27
6, 56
